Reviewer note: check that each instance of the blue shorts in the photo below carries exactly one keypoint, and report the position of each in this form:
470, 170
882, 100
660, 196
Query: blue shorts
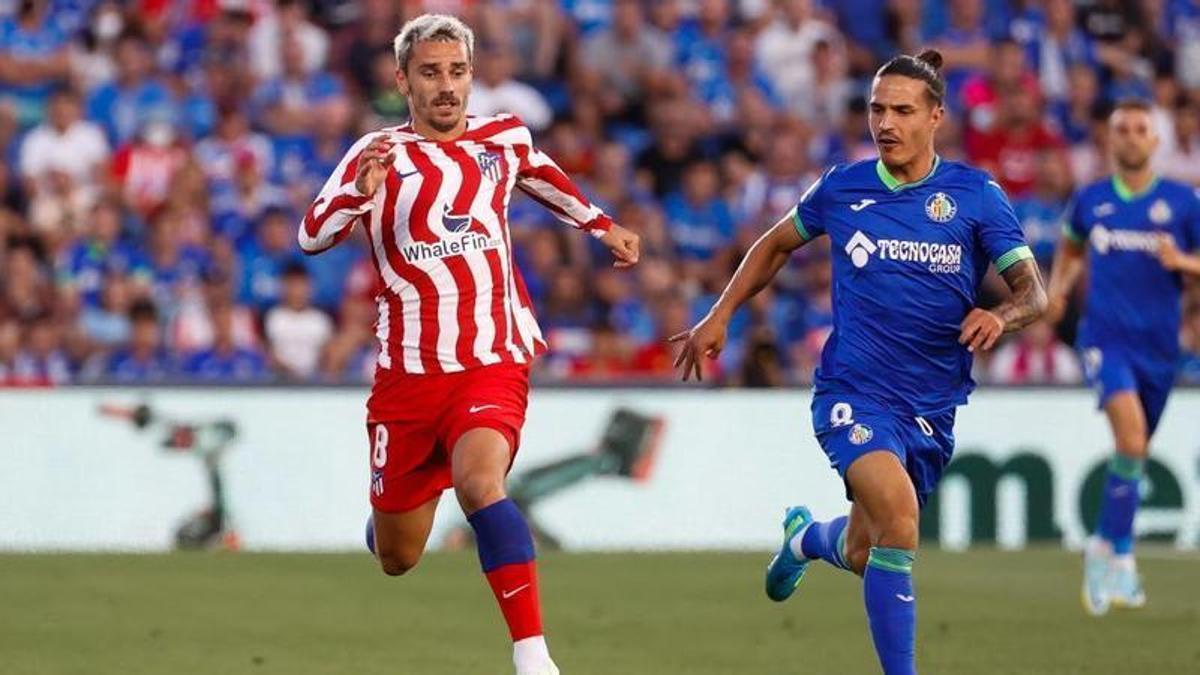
848, 427
1111, 370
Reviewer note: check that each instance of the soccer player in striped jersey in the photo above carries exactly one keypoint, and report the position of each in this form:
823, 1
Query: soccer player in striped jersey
456, 329
1131, 230
912, 237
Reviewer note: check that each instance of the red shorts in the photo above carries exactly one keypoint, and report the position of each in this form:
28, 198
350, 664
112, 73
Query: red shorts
414, 421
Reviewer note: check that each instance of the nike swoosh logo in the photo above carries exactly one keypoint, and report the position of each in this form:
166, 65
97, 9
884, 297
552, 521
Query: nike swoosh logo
402, 176
861, 205
905, 598
477, 408
504, 595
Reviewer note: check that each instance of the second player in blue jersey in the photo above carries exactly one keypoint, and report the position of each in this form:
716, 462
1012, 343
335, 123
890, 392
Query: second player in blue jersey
1131, 231
912, 237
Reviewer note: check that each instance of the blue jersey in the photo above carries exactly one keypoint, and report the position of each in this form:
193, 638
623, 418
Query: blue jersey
1133, 302
907, 260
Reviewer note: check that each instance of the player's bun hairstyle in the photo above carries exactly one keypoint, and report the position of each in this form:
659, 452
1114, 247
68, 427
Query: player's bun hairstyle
442, 27
926, 67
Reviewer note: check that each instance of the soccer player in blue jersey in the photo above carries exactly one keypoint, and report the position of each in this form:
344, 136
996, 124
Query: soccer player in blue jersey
1131, 228
912, 236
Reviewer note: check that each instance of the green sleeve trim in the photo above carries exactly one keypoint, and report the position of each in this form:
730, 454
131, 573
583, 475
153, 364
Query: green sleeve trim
891, 559
800, 225
1070, 233
1013, 257
1129, 468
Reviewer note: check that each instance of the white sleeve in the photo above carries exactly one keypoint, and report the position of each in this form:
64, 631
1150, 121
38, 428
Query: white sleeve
331, 216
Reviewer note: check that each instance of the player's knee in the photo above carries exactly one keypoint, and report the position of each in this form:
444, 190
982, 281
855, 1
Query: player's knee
897, 531
1133, 444
398, 562
476, 491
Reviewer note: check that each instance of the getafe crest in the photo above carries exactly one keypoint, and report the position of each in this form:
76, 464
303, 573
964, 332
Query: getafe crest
1160, 212
940, 207
860, 433
490, 165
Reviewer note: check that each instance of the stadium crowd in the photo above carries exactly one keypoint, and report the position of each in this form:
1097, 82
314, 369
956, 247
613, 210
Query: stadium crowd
156, 157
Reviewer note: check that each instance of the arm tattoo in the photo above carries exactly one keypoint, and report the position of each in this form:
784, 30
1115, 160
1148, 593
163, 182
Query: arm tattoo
1028, 300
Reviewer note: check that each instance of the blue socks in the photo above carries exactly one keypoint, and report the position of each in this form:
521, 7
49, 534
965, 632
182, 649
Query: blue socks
887, 591
501, 535
826, 541
1120, 502
892, 608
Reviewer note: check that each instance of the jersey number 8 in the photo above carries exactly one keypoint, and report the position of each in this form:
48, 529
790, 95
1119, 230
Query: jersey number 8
379, 457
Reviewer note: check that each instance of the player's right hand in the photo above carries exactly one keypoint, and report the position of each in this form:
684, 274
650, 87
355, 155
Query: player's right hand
1169, 254
706, 338
373, 164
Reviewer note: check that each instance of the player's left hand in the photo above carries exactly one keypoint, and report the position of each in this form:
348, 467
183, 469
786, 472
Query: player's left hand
707, 338
1169, 254
980, 330
626, 246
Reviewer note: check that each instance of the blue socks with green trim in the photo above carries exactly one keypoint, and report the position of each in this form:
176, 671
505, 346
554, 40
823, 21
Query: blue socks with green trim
1120, 502
826, 541
892, 608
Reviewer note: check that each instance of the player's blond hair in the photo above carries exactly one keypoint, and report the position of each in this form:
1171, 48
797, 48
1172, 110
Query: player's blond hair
441, 27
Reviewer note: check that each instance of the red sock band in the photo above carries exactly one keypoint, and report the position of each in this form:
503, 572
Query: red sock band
516, 591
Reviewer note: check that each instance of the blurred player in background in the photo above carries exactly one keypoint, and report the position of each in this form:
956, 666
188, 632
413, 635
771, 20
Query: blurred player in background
1132, 227
912, 236
456, 330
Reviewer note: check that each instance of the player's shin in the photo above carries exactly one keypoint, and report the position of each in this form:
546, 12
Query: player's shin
507, 557
826, 541
1120, 502
892, 608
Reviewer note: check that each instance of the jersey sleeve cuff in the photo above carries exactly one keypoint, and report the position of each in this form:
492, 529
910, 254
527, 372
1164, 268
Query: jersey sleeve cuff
599, 226
795, 214
1013, 257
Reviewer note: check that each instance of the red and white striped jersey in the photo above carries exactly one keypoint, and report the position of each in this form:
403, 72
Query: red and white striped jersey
452, 298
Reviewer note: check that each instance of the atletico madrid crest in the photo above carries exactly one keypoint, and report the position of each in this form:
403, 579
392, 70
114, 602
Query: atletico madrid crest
490, 165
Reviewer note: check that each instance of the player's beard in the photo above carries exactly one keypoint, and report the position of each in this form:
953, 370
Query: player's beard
443, 126
1132, 164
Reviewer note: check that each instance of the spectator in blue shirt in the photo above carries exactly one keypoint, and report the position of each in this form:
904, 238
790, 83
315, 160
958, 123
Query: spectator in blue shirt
263, 259
698, 218
700, 46
237, 208
1055, 46
33, 60
102, 251
741, 74
108, 325
143, 360
176, 267
589, 16
1041, 211
965, 46
124, 105
296, 102
226, 362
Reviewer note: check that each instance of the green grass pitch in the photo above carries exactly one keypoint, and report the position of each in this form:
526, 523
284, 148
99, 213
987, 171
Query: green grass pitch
981, 612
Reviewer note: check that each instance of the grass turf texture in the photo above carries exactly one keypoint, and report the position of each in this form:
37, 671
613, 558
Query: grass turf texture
980, 612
